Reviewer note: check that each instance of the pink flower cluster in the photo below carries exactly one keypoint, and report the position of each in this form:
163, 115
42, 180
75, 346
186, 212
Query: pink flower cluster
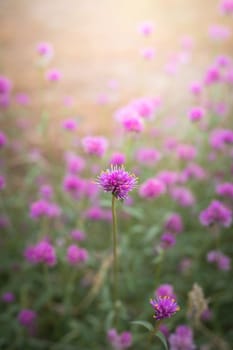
119, 341
219, 138
222, 261
44, 208
216, 213
165, 289
42, 252
225, 189
152, 188
182, 339
174, 223
76, 255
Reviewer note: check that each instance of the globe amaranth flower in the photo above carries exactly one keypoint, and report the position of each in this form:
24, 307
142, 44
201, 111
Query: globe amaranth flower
96, 146
165, 290
182, 339
225, 189
118, 181
174, 223
216, 213
119, 341
152, 188
76, 255
164, 307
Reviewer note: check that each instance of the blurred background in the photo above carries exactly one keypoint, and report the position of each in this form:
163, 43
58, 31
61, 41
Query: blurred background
98, 50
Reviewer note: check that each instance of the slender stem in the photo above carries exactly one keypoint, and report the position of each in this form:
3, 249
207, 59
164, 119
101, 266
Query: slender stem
115, 260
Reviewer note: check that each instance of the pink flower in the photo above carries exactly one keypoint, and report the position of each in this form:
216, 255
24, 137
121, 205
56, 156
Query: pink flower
226, 6
42, 252
148, 53
74, 163
152, 188
76, 255
53, 75
174, 223
146, 28
22, 99
222, 261
196, 88
216, 213
212, 76
133, 123
168, 240
148, 156
117, 159
45, 49
69, 124
218, 32
95, 145
3, 139
196, 113
78, 235
8, 297
145, 107
219, 138
119, 341
73, 185
186, 152
225, 189
165, 289
183, 196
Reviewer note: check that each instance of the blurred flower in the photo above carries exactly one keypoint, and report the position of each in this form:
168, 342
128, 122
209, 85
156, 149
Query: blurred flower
27, 318
196, 113
164, 329
69, 124
78, 235
117, 159
182, 339
185, 265
8, 297
117, 181
119, 341
174, 223
22, 99
226, 6
73, 185
221, 137
225, 189
168, 240
144, 107
186, 152
53, 75
212, 75
76, 255
165, 290
196, 88
44, 208
222, 261
146, 28
207, 315
45, 49
74, 163
148, 53
46, 191
132, 123
5, 85
148, 156
42, 252
95, 145
168, 177
183, 196
218, 32
216, 213
152, 188
164, 307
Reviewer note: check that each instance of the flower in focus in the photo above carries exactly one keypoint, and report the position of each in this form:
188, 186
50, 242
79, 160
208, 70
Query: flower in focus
164, 307
216, 213
117, 181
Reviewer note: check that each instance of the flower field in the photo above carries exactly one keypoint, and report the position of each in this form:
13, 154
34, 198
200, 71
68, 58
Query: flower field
116, 229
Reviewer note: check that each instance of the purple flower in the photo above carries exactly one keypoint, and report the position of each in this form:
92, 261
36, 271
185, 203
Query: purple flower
133, 123
148, 156
22, 99
168, 240
5, 85
196, 88
117, 181
182, 339
8, 297
45, 49
226, 6
42, 252
119, 341
69, 124
74, 185
219, 138
27, 318
76, 255
186, 152
43, 208
78, 235
174, 223
225, 189
164, 307
216, 213
146, 28
183, 196
75, 163
222, 261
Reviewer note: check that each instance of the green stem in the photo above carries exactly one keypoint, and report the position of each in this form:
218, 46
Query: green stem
115, 260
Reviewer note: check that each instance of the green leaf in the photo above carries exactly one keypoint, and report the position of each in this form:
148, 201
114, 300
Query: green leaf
162, 338
144, 324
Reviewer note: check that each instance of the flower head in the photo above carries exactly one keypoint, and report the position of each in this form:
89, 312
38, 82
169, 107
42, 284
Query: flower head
117, 181
164, 307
